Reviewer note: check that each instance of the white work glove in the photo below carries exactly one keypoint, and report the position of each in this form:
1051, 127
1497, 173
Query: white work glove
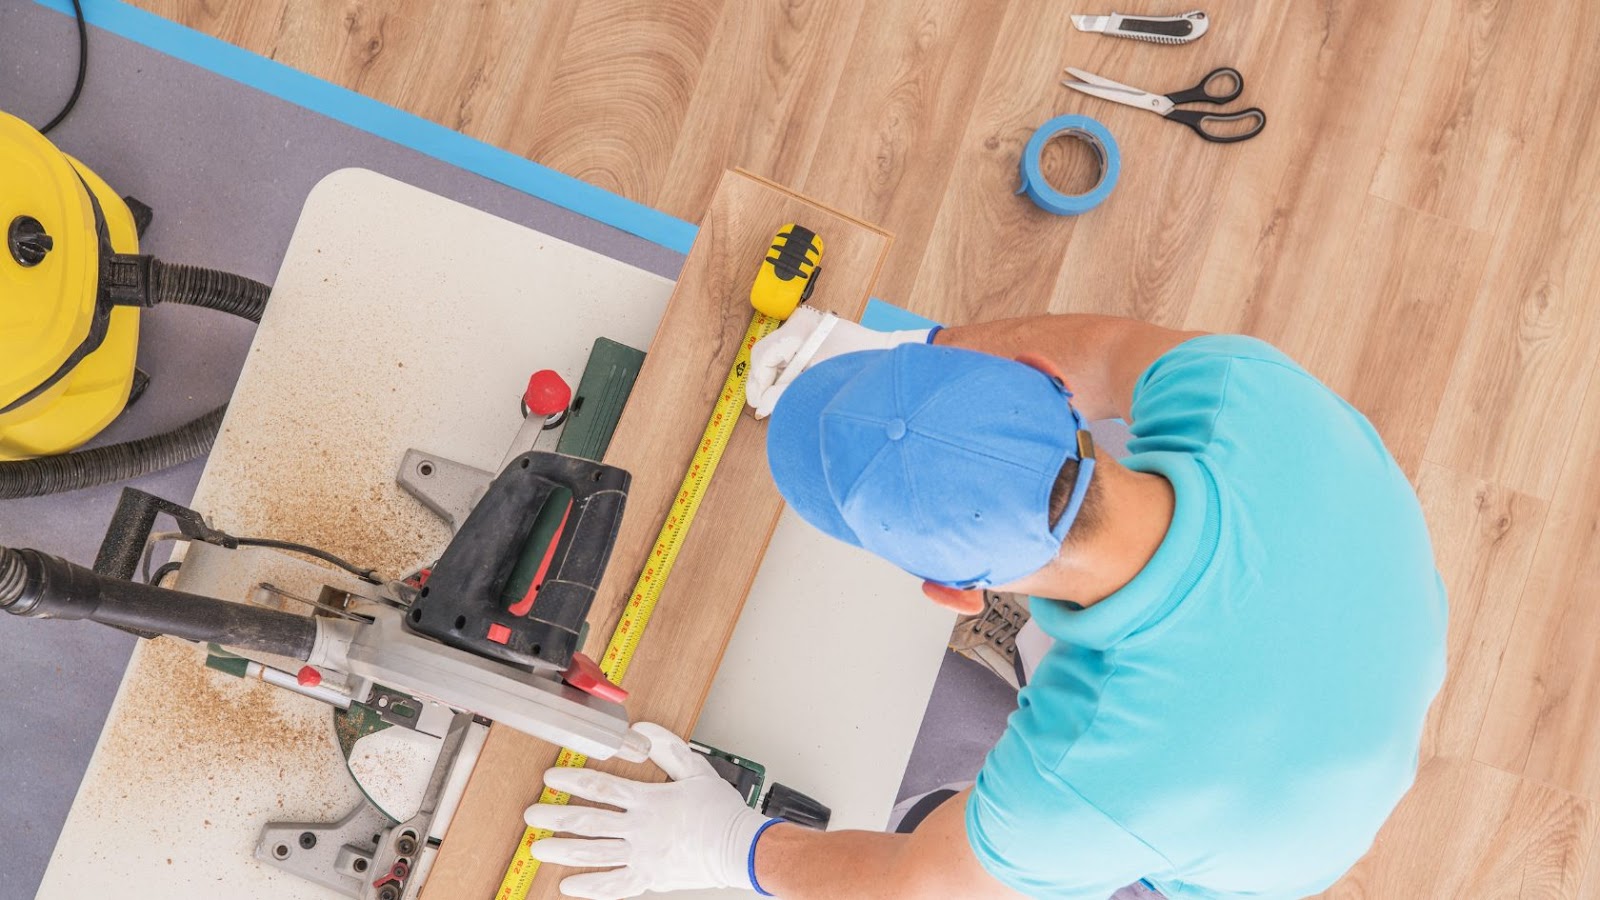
807, 338
694, 831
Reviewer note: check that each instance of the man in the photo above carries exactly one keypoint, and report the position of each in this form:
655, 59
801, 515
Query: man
1249, 626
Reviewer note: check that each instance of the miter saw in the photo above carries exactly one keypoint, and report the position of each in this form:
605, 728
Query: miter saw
491, 631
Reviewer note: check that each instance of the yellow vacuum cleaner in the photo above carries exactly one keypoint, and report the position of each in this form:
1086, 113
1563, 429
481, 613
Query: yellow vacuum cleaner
68, 361
72, 284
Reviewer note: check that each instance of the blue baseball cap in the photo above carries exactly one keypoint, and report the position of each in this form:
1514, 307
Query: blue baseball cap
937, 459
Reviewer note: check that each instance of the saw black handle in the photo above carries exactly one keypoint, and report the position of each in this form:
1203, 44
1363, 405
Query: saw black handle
462, 603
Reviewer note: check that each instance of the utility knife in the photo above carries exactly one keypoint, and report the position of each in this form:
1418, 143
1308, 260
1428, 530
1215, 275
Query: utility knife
1161, 30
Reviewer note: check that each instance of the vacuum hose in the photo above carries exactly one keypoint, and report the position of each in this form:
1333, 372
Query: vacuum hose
185, 285
38, 586
113, 462
221, 291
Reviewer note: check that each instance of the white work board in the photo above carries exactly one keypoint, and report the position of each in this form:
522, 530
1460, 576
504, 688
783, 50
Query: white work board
403, 319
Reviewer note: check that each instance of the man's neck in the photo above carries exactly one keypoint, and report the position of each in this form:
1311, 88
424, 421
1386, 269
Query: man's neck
1138, 509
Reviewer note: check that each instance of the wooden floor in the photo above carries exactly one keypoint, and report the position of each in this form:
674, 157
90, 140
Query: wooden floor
1419, 225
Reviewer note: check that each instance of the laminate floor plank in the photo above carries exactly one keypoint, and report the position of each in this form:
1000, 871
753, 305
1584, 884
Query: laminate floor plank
1475, 97
479, 50
1294, 215
619, 94
896, 120
1494, 837
255, 26
990, 252
1535, 328
1541, 721
1590, 889
1483, 537
369, 46
1388, 337
780, 66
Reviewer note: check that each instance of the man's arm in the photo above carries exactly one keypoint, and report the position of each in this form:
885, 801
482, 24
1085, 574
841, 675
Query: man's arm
695, 831
1100, 357
935, 861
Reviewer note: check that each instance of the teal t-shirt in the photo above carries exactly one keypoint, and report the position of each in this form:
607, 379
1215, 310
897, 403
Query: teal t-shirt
1239, 719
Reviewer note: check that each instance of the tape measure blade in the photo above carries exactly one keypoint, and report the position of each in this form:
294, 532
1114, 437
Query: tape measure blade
641, 603
685, 505
519, 877
524, 868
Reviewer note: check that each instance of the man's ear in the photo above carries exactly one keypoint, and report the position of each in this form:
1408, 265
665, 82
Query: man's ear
1044, 365
967, 603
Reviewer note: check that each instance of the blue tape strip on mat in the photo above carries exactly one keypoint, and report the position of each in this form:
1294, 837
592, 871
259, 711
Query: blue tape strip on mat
882, 316
385, 121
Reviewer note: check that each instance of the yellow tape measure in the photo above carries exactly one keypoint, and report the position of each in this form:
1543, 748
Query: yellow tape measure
658, 565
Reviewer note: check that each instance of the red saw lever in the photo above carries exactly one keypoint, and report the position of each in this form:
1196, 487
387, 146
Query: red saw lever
585, 675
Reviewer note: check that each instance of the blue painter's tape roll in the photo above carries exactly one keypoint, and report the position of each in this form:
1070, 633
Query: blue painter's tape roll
1048, 198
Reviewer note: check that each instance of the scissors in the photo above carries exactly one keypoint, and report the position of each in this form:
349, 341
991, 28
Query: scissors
1166, 104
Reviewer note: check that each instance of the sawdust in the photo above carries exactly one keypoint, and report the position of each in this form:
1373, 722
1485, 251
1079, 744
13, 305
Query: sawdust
394, 777
188, 740
313, 439
370, 766
393, 767
346, 730
315, 450
327, 497
179, 717
195, 761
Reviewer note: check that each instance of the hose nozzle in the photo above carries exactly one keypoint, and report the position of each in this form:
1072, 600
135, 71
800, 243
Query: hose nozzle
13, 577
40, 586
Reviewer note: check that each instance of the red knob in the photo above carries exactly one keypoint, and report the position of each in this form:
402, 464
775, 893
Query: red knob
309, 677
547, 394
585, 675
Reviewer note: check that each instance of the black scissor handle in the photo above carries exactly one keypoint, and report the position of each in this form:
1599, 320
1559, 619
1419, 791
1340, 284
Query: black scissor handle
1201, 93
1202, 121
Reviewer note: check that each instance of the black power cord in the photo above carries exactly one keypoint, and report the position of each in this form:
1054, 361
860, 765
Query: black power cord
229, 541
162, 573
368, 575
83, 69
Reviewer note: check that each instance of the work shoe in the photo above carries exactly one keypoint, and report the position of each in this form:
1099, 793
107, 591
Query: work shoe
990, 637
